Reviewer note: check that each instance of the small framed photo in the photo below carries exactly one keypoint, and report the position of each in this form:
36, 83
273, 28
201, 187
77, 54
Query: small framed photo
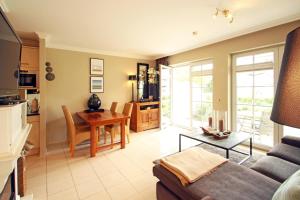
97, 84
97, 66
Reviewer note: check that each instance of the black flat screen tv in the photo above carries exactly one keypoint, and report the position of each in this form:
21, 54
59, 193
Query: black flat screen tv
10, 55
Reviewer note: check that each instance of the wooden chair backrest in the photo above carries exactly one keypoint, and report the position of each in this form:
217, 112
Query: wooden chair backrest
127, 110
70, 123
113, 107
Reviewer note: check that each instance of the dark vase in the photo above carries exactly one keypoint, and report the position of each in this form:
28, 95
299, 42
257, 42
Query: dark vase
94, 102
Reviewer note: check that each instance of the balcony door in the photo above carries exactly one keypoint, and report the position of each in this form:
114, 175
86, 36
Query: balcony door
254, 79
192, 94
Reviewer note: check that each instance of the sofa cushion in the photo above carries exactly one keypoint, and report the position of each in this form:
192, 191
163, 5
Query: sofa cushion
228, 182
286, 152
291, 140
290, 189
275, 168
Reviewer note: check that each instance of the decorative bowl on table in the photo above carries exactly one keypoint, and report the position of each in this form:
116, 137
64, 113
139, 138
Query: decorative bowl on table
209, 131
222, 135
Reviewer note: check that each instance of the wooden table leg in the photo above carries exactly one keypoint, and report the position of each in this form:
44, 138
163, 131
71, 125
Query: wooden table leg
93, 141
123, 134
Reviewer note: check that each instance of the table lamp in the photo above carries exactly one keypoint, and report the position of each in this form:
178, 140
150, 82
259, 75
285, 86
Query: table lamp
132, 78
286, 106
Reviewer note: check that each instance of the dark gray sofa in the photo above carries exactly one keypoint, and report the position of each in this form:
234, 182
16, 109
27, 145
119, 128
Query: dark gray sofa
235, 182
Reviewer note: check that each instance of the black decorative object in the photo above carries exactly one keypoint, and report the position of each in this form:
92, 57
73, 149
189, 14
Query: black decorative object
94, 103
49, 76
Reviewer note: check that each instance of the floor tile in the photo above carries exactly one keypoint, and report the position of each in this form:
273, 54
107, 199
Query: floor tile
121, 191
69, 194
89, 188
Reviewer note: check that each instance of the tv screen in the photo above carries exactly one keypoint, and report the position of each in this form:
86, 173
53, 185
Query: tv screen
10, 51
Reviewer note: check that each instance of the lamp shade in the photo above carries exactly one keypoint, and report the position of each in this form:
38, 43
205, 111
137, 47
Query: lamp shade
286, 106
132, 77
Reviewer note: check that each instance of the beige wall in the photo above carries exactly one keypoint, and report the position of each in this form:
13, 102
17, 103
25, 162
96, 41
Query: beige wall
220, 53
71, 86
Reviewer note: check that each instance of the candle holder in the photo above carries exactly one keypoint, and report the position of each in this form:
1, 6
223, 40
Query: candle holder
220, 120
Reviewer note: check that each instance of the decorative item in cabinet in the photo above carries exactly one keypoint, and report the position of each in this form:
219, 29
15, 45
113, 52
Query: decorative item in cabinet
34, 135
30, 58
145, 115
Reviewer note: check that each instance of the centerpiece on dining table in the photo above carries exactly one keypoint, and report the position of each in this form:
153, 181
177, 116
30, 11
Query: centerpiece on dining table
94, 104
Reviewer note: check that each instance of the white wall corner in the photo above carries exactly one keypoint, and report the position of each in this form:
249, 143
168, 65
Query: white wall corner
44, 36
4, 6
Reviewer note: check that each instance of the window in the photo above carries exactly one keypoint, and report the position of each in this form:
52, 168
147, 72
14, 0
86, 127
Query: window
192, 94
202, 93
253, 93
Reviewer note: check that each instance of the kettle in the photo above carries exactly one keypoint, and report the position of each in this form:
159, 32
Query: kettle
35, 106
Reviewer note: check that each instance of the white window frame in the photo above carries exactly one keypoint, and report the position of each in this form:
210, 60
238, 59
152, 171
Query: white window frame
277, 50
197, 74
201, 73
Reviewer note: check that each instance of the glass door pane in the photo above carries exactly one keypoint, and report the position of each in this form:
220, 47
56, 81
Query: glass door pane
201, 100
254, 89
290, 131
181, 96
166, 102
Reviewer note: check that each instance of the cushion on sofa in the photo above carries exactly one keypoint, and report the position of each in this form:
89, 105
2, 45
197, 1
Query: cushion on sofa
275, 168
228, 182
291, 140
290, 189
286, 152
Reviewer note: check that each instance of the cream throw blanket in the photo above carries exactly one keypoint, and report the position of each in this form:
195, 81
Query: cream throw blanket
192, 164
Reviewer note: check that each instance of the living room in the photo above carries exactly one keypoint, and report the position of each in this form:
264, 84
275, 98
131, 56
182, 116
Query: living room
111, 110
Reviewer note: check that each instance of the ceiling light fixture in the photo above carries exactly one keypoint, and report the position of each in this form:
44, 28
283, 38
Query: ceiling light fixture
225, 12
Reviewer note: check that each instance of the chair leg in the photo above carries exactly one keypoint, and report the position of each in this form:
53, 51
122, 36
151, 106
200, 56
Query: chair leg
128, 137
72, 149
112, 138
105, 134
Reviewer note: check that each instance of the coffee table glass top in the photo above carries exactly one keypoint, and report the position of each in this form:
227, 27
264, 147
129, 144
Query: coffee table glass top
233, 139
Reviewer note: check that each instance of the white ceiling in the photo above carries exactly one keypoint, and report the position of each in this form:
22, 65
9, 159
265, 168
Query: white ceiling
144, 28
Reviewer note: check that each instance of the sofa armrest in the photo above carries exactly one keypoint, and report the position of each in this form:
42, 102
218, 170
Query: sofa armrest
291, 140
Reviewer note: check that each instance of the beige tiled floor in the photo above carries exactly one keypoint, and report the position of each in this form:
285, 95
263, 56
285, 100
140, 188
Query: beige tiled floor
112, 174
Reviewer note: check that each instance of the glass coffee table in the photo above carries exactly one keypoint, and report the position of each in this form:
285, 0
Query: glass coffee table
233, 140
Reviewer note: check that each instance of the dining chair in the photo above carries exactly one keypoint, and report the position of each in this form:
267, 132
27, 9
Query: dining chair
113, 109
115, 128
77, 132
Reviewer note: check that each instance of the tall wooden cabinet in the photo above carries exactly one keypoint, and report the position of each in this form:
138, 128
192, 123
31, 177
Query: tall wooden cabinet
145, 115
30, 58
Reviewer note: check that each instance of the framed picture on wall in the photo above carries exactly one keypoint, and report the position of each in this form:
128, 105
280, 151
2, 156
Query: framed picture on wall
97, 66
97, 84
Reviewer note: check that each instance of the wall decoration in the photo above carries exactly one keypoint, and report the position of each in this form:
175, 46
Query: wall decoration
49, 75
97, 66
142, 81
97, 84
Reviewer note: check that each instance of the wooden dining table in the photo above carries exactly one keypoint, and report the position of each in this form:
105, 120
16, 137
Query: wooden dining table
97, 119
